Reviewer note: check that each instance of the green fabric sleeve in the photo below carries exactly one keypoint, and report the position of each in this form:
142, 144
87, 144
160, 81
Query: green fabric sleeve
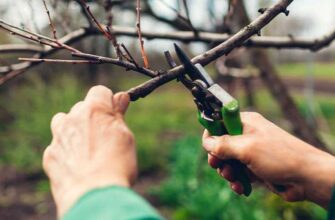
111, 203
331, 209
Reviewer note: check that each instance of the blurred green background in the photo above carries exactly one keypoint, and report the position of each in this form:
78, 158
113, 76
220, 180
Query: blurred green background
174, 173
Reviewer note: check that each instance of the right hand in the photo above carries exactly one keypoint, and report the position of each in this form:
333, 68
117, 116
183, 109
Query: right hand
274, 157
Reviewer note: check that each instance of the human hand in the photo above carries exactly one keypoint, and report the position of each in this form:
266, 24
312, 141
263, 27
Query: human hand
274, 157
91, 147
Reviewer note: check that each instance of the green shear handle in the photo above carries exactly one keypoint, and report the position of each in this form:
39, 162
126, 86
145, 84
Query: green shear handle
231, 125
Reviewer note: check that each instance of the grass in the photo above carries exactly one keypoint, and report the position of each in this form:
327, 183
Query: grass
32, 106
168, 139
319, 70
157, 121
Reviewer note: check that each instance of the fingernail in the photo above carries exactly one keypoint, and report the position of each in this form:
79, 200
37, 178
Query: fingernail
124, 101
116, 100
237, 188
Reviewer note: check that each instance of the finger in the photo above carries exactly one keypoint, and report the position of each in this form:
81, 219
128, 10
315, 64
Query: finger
77, 106
227, 173
121, 102
253, 177
250, 116
214, 162
100, 94
206, 134
47, 158
293, 194
56, 121
225, 147
237, 187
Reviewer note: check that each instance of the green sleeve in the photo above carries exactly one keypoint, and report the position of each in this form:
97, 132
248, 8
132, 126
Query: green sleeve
331, 209
111, 203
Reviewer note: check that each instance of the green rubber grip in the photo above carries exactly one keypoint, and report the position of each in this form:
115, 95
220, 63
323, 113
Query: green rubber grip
231, 125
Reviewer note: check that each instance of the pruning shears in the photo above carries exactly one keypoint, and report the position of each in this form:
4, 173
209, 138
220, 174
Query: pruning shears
218, 111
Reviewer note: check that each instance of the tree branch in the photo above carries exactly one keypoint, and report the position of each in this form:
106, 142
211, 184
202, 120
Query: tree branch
188, 36
185, 36
51, 24
20, 48
220, 50
127, 65
17, 69
94, 20
139, 32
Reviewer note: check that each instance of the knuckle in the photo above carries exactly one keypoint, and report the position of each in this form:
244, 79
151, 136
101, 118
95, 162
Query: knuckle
255, 115
100, 89
90, 104
247, 149
77, 106
224, 141
93, 105
127, 134
252, 116
48, 156
219, 149
57, 120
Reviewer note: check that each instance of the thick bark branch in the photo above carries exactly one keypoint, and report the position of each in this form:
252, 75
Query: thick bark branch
218, 51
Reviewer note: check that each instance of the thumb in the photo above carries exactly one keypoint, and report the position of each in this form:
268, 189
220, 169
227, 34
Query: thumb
121, 102
225, 147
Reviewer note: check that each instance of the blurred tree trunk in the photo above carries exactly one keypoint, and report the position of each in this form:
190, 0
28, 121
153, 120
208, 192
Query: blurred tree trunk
249, 92
277, 88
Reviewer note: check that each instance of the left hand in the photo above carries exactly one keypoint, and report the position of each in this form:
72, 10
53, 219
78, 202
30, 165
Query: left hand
91, 147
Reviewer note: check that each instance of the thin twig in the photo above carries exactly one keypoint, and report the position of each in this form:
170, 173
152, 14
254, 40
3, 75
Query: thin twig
109, 27
36, 60
139, 32
283, 42
13, 27
29, 35
230, 42
77, 35
130, 56
100, 27
52, 26
127, 65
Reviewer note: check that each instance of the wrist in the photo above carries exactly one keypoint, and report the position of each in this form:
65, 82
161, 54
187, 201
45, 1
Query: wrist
319, 178
66, 197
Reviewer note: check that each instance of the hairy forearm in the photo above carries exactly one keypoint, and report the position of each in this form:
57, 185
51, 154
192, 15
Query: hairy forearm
319, 177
